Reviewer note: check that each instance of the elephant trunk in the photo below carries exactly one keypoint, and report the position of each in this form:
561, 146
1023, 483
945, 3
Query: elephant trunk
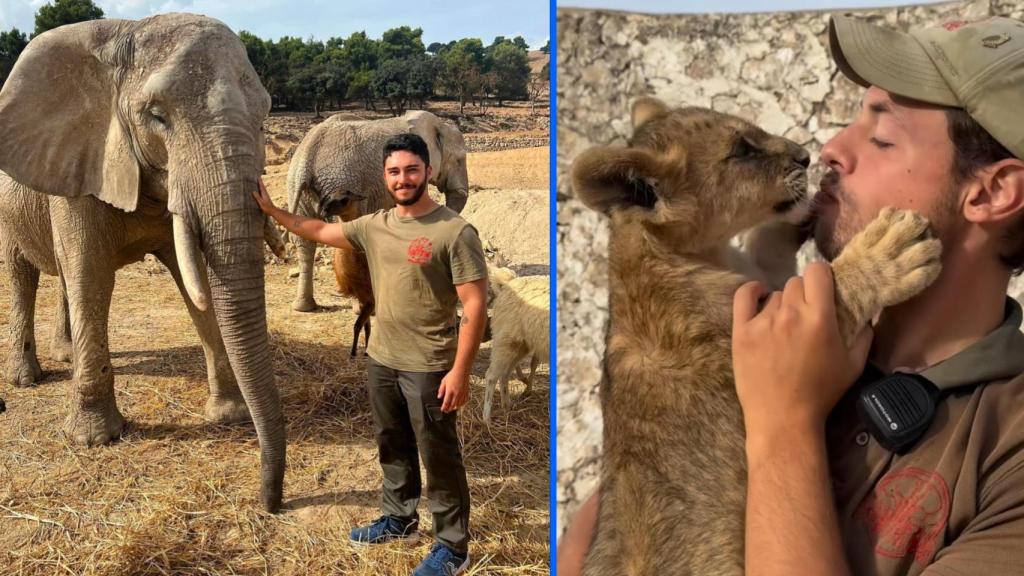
455, 198
232, 233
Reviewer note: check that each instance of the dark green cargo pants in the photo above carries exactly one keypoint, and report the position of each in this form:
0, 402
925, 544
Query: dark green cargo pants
406, 414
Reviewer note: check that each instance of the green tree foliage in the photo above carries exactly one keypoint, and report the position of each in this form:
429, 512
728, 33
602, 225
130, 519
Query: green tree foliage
401, 43
546, 48
396, 69
511, 67
12, 43
61, 12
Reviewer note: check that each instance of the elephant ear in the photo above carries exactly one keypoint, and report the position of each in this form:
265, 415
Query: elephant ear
59, 119
425, 125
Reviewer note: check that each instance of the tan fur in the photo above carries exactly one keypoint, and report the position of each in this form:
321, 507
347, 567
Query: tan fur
519, 324
673, 477
352, 272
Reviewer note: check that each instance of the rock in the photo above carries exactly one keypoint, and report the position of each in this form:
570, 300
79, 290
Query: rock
293, 272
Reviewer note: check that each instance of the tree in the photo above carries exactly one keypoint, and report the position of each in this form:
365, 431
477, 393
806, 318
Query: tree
360, 87
12, 43
401, 43
511, 66
390, 84
361, 52
546, 48
461, 69
520, 43
61, 12
538, 85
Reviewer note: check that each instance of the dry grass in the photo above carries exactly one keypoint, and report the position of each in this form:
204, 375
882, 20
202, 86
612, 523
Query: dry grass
177, 495
520, 168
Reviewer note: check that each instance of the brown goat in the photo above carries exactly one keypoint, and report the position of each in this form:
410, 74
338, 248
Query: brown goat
353, 276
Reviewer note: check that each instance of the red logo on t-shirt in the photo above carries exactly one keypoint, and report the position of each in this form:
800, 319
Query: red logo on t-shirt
420, 251
907, 513
955, 24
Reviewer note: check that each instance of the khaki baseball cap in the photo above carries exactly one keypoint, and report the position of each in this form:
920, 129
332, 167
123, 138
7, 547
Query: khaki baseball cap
977, 66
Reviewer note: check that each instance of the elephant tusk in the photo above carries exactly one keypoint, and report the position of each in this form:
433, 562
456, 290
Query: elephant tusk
273, 237
190, 264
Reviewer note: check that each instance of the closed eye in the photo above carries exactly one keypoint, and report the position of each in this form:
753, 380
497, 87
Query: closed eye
880, 144
743, 149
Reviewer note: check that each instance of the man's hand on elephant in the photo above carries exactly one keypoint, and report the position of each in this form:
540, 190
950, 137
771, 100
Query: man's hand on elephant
263, 197
454, 390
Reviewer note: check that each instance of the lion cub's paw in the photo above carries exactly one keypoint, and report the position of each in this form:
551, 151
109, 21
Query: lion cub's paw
895, 257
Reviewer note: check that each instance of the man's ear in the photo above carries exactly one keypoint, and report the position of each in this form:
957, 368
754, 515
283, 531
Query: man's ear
606, 177
998, 194
646, 109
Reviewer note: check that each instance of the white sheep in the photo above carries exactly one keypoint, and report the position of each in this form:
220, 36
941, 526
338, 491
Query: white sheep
520, 323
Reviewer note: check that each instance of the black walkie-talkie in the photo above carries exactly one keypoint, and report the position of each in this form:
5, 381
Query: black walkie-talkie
896, 409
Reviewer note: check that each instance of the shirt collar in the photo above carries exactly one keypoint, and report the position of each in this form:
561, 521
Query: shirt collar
999, 355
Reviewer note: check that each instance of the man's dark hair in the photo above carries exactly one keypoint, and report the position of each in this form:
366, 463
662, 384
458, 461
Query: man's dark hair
973, 149
408, 142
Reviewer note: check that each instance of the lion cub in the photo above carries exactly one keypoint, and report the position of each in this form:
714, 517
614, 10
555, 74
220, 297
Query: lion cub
674, 469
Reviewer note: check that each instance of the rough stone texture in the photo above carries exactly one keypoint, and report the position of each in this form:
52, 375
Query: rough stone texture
772, 69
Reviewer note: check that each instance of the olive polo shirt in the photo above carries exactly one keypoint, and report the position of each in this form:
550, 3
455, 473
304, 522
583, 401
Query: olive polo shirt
954, 503
415, 264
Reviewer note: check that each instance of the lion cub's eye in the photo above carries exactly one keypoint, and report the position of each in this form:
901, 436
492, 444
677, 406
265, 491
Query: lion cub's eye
743, 149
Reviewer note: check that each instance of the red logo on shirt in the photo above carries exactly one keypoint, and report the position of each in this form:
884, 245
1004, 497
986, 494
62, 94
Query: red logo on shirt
420, 251
907, 513
955, 24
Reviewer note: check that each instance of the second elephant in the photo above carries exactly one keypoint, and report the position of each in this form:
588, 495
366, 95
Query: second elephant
340, 161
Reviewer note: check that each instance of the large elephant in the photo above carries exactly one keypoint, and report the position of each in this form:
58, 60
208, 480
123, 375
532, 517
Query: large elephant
123, 138
339, 161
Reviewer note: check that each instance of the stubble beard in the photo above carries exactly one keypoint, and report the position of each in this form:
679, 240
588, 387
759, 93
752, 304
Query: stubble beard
831, 237
420, 190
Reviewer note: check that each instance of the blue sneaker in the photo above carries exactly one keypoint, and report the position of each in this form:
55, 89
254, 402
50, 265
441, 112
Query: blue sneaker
386, 529
442, 561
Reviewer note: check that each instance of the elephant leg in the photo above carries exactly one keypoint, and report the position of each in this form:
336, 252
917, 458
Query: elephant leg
225, 404
22, 364
94, 418
304, 301
60, 345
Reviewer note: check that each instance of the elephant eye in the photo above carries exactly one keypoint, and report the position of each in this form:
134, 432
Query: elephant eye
158, 115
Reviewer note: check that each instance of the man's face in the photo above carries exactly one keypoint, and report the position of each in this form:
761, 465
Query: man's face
406, 176
896, 153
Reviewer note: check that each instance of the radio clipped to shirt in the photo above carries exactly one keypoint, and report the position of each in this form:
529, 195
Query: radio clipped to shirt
896, 409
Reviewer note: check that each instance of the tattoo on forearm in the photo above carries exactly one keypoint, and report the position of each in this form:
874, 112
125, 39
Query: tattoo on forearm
298, 220
465, 320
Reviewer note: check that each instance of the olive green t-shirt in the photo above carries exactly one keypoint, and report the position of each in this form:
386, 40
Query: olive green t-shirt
415, 264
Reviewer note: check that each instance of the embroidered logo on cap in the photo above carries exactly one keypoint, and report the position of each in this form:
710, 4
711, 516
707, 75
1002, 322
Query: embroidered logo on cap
995, 40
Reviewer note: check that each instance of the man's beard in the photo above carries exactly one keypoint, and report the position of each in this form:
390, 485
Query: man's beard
412, 200
831, 237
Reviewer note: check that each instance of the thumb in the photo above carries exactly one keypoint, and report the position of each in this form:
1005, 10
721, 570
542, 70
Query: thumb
862, 345
440, 390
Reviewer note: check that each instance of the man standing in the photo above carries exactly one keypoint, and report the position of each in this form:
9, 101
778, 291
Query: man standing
423, 259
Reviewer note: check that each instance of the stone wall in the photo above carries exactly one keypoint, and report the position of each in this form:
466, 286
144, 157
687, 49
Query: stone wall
772, 69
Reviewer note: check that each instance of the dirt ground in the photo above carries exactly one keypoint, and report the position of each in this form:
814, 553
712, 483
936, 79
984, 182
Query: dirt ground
177, 495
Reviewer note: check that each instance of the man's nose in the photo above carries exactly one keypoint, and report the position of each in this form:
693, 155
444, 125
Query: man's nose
835, 153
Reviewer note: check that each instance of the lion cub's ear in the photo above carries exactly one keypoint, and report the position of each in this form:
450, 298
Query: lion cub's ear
646, 109
608, 177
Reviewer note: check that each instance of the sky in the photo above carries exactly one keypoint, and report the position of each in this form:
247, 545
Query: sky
441, 20
672, 6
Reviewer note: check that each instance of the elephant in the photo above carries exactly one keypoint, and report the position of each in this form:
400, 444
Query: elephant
340, 161
124, 138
